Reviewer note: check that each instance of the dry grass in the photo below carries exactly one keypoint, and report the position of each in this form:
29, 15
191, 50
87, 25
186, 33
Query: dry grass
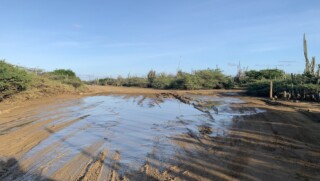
41, 87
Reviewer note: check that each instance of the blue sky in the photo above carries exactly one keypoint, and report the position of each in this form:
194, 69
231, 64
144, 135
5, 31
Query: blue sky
108, 38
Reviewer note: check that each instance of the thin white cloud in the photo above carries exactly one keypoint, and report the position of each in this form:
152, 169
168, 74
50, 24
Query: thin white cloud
125, 44
93, 43
65, 44
76, 25
266, 48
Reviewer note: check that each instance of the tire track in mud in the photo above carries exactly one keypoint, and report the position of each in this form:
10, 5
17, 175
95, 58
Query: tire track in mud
94, 168
114, 167
197, 160
32, 159
79, 165
18, 142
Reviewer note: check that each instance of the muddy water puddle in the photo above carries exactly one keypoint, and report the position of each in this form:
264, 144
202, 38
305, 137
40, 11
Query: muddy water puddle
126, 128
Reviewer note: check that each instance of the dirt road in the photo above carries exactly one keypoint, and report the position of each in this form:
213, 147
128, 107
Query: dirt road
187, 135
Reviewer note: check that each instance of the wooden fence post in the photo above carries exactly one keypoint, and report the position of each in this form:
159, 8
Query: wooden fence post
285, 95
271, 88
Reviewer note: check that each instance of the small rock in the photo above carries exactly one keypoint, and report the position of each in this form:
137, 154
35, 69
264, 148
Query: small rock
185, 172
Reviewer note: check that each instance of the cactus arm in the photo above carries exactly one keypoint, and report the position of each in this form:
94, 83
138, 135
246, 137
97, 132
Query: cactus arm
305, 50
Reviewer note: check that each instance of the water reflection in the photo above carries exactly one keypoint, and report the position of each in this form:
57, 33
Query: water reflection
128, 127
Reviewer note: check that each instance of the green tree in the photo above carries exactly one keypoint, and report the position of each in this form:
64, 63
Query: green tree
12, 79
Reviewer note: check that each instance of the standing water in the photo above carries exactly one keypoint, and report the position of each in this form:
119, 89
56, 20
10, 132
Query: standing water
127, 128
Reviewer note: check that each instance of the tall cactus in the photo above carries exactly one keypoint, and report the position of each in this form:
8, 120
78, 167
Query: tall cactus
310, 67
313, 66
305, 50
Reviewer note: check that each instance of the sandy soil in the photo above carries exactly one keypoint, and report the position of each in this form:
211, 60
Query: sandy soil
143, 91
282, 143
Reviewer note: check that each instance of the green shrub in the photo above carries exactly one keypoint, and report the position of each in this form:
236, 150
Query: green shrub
12, 79
265, 74
201, 79
229, 83
163, 81
136, 82
106, 81
66, 77
64, 72
179, 81
75, 82
151, 77
191, 82
211, 78
262, 88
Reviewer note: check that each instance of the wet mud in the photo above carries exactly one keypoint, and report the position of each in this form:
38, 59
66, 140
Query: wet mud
163, 137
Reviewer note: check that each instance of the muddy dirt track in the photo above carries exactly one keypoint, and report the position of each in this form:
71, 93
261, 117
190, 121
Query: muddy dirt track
136, 135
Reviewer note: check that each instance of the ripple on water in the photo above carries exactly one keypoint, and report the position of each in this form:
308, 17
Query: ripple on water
130, 127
